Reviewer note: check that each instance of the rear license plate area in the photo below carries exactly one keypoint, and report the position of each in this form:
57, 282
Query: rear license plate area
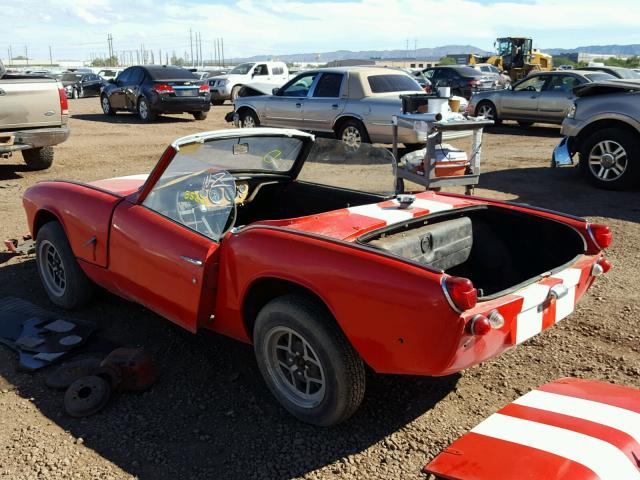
187, 92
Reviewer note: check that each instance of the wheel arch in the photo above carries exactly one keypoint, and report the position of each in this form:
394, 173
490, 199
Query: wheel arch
339, 120
265, 289
42, 217
601, 124
250, 108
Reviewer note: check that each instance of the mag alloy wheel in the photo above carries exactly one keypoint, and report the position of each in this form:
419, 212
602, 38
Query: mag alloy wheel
294, 367
608, 160
486, 111
52, 268
106, 107
248, 122
351, 137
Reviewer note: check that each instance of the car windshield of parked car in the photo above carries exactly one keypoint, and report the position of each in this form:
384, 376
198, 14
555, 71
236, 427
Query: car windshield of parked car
242, 69
600, 76
393, 83
333, 163
533, 84
107, 73
71, 77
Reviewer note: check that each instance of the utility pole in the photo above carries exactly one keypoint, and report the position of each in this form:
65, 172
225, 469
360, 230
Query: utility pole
110, 47
215, 50
26, 55
201, 59
415, 48
160, 56
191, 45
50, 56
222, 42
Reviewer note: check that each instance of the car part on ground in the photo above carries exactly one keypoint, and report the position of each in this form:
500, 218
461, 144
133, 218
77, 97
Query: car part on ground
603, 127
63, 376
87, 396
568, 428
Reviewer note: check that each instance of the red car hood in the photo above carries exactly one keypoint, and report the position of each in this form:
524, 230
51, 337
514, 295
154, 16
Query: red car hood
122, 185
569, 429
349, 223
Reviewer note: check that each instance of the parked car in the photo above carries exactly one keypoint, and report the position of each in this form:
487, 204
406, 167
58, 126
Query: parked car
282, 240
151, 90
34, 115
109, 73
355, 103
79, 85
565, 67
541, 97
570, 428
463, 80
603, 127
226, 87
618, 72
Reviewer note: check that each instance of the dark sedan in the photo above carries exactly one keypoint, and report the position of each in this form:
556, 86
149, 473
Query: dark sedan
154, 89
80, 84
463, 80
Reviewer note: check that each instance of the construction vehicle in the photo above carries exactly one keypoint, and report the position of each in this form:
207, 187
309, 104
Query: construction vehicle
514, 55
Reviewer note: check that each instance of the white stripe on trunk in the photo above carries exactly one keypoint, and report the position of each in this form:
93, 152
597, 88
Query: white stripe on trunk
601, 457
431, 205
389, 215
615, 417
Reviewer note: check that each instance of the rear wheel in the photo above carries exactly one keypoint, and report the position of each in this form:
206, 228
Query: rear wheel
248, 119
610, 158
144, 111
488, 111
38, 158
217, 102
106, 106
307, 362
64, 281
75, 94
199, 115
353, 134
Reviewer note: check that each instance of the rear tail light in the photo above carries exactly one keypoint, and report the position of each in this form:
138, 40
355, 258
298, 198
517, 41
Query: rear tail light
64, 102
601, 266
204, 88
479, 325
461, 293
163, 88
600, 234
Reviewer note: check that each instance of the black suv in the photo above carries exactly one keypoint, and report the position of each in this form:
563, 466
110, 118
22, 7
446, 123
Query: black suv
462, 79
153, 89
81, 84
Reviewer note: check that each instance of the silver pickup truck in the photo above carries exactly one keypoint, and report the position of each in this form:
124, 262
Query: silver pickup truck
33, 117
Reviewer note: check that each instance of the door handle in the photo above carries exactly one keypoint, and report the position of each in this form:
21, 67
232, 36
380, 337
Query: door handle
298, 105
192, 261
334, 106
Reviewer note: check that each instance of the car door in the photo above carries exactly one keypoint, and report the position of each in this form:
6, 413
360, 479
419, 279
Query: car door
557, 97
325, 102
260, 73
132, 89
285, 109
521, 103
116, 92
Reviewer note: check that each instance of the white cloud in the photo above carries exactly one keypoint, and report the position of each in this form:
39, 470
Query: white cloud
252, 27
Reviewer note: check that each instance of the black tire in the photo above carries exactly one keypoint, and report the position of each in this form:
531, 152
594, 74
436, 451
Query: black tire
342, 368
75, 94
490, 113
144, 111
199, 115
353, 134
524, 124
217, 101
53, 252
38, 158
628, 163
234, 92
249, 119
106, 106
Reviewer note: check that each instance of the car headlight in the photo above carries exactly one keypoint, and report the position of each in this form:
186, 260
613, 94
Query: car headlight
572, 111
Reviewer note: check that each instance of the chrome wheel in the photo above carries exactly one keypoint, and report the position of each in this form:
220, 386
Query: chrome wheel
608, 160
143, 109
294, 367
486, 111
52, 268
352, 137
248, 122
106, 108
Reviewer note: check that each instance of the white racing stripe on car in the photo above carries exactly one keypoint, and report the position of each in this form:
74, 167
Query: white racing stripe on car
615, 417
431, 205
529, 320
605, 460
565, 305
390, 214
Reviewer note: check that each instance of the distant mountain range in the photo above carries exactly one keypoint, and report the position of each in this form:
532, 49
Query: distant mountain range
431, 53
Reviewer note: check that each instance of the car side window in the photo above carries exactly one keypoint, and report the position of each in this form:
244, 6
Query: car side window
277, 70
562, 83
299, 86
136, 77
261, 70
123, 78
328, 85
533, 84
430, 73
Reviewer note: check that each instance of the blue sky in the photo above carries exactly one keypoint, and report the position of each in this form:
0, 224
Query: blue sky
77, 28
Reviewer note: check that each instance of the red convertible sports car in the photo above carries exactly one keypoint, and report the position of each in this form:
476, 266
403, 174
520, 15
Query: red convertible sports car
282, 240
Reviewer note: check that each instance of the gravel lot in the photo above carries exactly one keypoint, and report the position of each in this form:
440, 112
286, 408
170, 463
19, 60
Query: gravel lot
210, 416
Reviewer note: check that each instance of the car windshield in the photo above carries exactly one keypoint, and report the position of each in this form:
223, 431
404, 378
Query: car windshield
242, 69
333, 163
71, 77
596, 77
171, 73
393, 83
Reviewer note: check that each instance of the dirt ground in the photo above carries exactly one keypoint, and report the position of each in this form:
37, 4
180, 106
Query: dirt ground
210, 416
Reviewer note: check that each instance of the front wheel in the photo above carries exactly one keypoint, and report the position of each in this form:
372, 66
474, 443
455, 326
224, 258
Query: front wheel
306, 361
106, 106
38, 158
63, 280
199, 115
75, 94
248, 119
610, 158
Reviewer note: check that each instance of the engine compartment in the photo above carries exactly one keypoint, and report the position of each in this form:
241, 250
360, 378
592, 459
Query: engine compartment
496, 248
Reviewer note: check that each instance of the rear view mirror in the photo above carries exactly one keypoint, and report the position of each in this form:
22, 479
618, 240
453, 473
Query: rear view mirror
275, 91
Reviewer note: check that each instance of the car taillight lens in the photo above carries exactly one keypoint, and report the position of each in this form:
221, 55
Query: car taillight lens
479, 325
163, 88
605, 265
64, 102
461, 292
203, 88
601, 235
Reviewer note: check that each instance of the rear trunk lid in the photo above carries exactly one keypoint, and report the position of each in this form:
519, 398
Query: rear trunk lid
179, 88
567, 429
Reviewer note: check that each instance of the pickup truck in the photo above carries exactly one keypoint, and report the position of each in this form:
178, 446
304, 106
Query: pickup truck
33, 117
227, 87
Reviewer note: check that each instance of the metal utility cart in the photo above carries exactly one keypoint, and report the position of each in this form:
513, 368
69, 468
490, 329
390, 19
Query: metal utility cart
434, 131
